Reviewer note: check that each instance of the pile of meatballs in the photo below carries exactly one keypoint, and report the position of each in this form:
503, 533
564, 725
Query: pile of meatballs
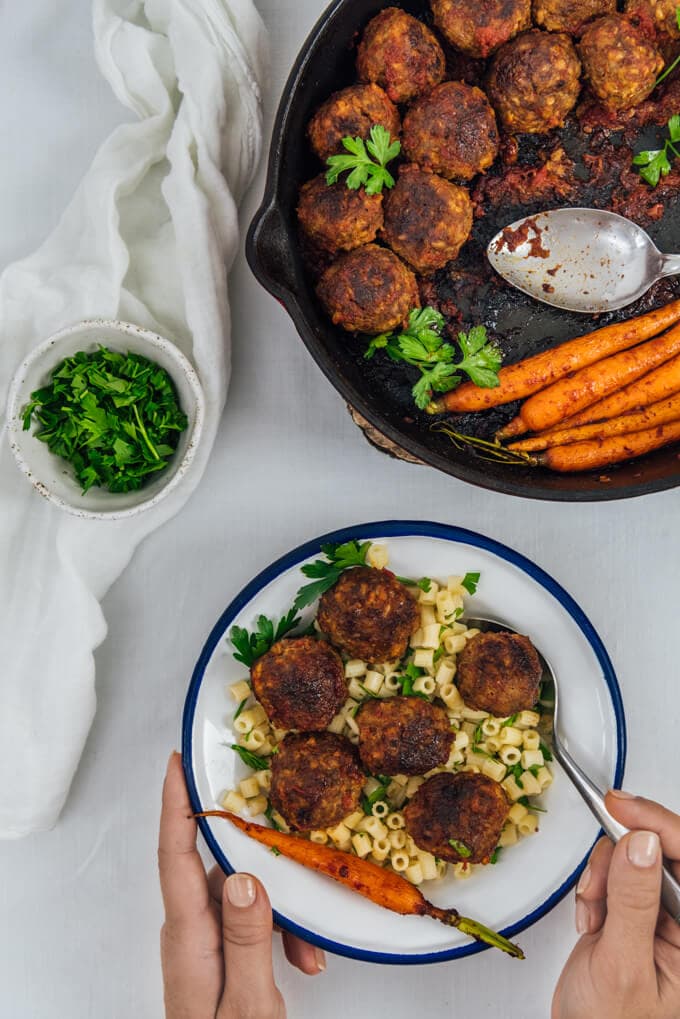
317, 776
450, 132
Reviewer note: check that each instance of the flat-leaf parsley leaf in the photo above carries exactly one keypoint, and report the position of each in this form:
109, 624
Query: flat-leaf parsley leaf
250, 646
365, 161
325, 572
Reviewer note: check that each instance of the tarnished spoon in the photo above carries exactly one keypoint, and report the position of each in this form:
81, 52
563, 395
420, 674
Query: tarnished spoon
594, 798
582, 260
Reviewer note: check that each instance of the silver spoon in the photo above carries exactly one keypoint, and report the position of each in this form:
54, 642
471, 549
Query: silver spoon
670, 888
582, 260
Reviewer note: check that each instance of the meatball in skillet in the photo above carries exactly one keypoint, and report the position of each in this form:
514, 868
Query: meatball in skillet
620, 63
466, 808
479, 28
352, 112
663, 13
300, 683
451, 131
336, 217
403, 736
316, 780
368, 290
400, 54
534, 82
369, 614
427, 219
499, 673
570, 16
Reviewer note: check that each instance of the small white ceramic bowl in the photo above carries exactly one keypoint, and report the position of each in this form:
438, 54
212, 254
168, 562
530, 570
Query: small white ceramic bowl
51, 475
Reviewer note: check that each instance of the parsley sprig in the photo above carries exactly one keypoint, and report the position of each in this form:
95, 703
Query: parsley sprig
250, 759
366, 161
460, 848
655, 163
422, 345
114, 417
250, 646
326, 571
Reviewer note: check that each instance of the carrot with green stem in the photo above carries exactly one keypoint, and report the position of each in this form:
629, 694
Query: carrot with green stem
567, 397
534, 373
656, 414
587, 456
383, 887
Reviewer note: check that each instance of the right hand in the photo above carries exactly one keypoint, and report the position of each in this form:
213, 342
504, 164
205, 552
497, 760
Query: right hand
627, 962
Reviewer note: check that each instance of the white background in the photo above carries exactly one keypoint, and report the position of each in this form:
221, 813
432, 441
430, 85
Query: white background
79, 906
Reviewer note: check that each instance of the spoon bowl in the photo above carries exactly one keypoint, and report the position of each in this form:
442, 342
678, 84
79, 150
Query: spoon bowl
583, 260
593, 797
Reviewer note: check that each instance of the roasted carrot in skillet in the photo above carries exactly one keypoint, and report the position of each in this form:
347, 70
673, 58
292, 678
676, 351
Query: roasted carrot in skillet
585, 456
568, 396
537, 372
383, 887
656, 414
663, 382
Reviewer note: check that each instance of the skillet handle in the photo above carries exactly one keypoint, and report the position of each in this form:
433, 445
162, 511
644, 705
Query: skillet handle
270, 251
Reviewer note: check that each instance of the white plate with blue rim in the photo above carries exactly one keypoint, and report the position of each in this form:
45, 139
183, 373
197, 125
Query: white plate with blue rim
531, 877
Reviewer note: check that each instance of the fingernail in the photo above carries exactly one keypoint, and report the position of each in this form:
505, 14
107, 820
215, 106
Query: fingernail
240, 890
643, 848
582, 917
584, 881
621, 794
320, 957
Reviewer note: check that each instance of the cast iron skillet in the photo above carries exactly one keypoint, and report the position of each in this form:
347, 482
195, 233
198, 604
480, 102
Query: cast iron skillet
379, 390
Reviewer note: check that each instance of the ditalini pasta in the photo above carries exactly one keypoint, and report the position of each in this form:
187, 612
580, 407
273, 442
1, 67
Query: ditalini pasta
512, 750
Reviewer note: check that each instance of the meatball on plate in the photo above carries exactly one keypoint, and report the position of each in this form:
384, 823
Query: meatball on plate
406, 774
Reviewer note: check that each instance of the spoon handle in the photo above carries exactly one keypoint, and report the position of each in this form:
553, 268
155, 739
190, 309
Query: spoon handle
670, 265
670, 888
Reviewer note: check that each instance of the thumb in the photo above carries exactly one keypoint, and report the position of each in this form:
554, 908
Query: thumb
633, 901
247, 941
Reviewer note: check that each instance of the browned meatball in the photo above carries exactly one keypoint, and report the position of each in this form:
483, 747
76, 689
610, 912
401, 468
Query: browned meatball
368, 290
534, 82
336, 217
479, 28
663, 13
464, 808
369, 614
316, 780
451, 131
569, 16
427, 219
400, 54
403, 736
499, 673
300, 683
352, 112
619, 61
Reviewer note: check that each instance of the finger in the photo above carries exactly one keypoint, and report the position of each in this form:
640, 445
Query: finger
633, 900
638, 813
591, 891
216, 879
247, 942
183, 881
668, 929
305, 957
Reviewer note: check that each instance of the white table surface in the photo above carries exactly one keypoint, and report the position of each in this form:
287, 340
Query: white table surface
79, 906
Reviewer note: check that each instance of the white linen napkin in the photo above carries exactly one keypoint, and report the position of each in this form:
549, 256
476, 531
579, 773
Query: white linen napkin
148, 238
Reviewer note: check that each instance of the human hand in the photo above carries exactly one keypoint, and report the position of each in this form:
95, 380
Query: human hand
216, 942
627, 962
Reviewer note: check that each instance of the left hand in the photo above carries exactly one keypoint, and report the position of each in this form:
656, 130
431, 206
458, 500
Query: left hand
216, 942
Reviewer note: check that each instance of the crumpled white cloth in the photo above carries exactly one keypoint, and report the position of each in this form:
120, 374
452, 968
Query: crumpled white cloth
148, 237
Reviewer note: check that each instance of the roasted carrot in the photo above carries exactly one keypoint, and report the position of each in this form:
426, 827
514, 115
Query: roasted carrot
664, 381
656, 414
585, 456
537, 372
568, 396
383, 887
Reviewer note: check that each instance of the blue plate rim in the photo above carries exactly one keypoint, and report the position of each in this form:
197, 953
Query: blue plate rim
394, 529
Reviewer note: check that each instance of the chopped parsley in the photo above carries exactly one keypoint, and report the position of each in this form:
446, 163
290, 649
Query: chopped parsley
378, 794
240, 707
269, 815
114, 417
496, 854
511, 720
421, 344
460, 848
366, 161
325, 573
424, 584
250, 646
547, 755
250, 759
275, 851
411, 674
470, 581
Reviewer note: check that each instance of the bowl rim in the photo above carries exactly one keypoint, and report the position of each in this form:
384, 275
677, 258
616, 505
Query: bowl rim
393, 529
156, 341
271, 206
